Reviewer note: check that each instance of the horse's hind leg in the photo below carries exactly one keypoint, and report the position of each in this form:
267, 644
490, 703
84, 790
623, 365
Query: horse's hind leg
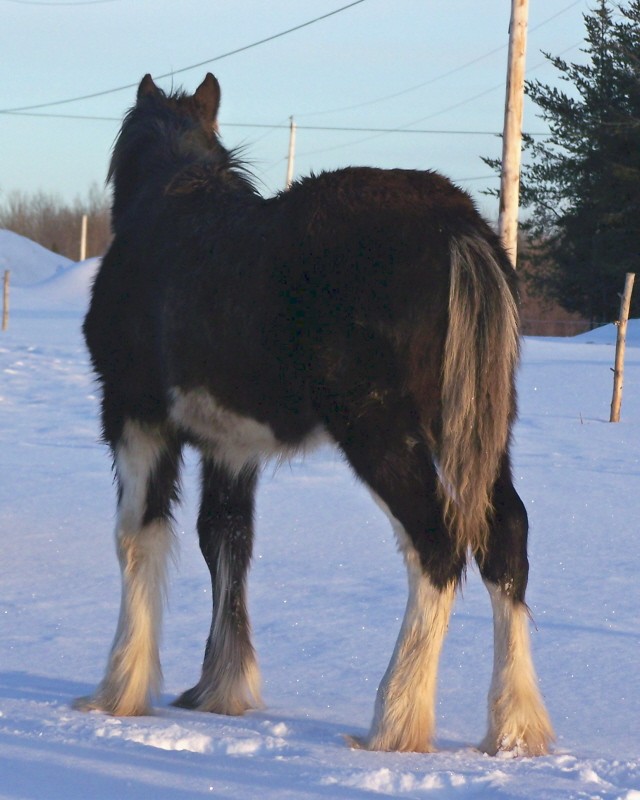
518, 720
146, 467
230, 680
387, 450
404, 714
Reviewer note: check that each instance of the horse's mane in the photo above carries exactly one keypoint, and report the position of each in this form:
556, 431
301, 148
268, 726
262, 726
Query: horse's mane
165, 136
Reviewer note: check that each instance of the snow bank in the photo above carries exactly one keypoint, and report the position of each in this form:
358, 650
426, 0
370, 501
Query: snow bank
29, 262
68, 290
44, 284
607, 334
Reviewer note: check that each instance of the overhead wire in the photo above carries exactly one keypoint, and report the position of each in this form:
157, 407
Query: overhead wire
263, 41
60, 2
436, 78
268, 126
191, 66
405, 128
378, 131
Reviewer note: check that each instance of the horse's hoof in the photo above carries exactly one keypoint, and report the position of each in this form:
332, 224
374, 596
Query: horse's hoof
196, 700
188, 700
355, 742
100, 704
507, 747
86, 704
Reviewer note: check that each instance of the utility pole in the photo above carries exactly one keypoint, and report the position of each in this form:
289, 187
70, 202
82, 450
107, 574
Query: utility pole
292, 152
512, 131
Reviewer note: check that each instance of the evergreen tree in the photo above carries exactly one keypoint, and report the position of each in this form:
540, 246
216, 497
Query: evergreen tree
582, 183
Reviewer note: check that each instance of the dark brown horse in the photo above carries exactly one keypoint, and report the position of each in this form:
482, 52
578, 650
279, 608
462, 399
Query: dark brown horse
372, 307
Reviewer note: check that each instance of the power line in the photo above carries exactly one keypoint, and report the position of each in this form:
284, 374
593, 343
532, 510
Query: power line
375, 132
404, 127
256, 44
476, 178
343, 128
437, 78
408, 89
282, 126
10, 113
60, 2
192, 66
484, 92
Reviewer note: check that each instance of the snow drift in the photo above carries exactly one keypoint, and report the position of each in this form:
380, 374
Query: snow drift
327, 593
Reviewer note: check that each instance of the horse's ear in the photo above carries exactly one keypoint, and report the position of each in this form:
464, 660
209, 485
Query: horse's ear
207, 97
147, 87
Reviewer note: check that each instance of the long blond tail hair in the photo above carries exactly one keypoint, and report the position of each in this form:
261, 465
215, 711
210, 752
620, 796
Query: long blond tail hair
478, 388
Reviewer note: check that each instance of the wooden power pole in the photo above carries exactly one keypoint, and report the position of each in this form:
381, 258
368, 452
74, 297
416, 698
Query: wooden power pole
512, 131
292, 153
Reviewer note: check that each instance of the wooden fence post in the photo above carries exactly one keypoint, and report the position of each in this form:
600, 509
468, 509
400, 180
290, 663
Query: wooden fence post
5, 300
83, 238
618, 372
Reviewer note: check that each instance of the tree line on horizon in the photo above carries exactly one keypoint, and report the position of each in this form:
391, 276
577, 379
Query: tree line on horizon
55, 224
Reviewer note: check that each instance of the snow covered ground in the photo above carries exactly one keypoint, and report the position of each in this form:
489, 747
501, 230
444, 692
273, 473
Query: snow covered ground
28, 262
327, 594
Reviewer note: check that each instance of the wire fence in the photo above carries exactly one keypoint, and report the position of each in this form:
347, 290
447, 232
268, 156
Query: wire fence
554, 327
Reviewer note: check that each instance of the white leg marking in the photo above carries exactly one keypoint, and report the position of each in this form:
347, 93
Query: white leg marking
518, 719
133, 671
404, 717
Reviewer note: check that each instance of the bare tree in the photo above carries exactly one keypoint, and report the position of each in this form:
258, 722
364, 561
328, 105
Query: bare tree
46, 219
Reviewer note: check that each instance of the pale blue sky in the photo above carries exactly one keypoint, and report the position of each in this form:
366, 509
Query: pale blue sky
354, 61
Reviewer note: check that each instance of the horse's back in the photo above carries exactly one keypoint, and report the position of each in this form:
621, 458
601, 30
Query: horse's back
376, 237
390, 200
363, 256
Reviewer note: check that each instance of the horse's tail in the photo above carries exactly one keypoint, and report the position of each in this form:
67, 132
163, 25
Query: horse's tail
478, 386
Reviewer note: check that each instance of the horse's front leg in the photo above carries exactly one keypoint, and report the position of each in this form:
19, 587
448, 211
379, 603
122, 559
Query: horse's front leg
230, 680
146, 467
